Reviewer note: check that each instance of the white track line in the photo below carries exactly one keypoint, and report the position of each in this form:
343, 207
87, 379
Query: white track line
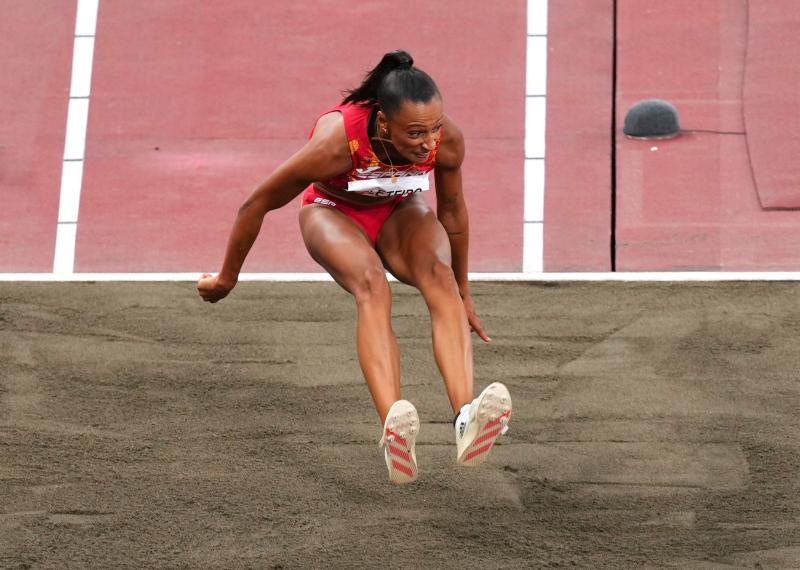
535, 123
86, 20
497, 277
75, 138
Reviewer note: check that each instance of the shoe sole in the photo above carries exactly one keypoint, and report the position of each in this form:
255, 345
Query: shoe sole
399, 437
491, 416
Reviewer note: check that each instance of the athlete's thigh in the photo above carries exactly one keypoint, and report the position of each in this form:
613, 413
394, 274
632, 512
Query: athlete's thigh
338, 244
412, 240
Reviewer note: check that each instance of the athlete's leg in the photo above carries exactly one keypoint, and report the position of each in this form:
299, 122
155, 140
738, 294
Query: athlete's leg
415, 248
340, 246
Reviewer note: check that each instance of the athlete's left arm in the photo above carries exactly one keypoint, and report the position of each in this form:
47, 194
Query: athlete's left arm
452, 213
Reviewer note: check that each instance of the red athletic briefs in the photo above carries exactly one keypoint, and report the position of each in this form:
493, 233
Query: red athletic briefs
371, 218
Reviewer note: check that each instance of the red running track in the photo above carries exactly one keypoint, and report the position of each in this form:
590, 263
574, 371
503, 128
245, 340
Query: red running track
718, 197
577, 228
35, 56
692, 203
772, 115
194, 104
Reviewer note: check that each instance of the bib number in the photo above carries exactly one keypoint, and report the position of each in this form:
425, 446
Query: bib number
385, 187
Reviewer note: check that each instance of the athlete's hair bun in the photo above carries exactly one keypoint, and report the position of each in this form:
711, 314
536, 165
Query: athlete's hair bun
392, 81
398, 59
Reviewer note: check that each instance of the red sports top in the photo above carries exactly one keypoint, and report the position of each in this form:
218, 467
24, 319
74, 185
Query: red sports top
366, 165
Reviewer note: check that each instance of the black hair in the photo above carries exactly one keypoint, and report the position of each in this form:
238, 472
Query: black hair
393, 81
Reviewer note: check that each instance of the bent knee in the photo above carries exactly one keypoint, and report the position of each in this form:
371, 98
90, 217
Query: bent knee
370, 285
438, 275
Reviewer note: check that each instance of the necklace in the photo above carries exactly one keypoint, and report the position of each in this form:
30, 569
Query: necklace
389, 158
392, 172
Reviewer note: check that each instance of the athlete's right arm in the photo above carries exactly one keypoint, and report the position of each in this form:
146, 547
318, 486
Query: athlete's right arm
324, 156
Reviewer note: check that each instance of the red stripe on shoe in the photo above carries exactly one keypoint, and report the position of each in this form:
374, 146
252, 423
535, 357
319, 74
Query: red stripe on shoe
497, 420
399, 453
402, 468
484, 437
397, 438
477, 452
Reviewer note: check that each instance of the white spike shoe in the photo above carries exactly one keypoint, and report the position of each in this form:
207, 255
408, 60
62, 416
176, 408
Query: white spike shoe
479, 424
399, 439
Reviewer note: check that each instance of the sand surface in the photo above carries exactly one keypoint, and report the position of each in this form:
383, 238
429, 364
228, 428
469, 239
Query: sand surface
655, 426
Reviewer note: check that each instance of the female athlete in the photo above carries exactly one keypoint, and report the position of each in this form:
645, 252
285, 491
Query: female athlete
361, 174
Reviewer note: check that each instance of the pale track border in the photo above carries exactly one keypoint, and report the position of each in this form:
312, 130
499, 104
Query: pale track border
686, 276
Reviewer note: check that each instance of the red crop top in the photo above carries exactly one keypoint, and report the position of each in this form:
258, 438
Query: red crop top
367, 168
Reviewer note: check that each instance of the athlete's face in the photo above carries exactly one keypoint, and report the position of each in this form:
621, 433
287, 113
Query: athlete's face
415, 128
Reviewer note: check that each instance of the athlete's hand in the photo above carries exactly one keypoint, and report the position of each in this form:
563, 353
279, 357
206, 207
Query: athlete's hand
472, 317
212, 289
